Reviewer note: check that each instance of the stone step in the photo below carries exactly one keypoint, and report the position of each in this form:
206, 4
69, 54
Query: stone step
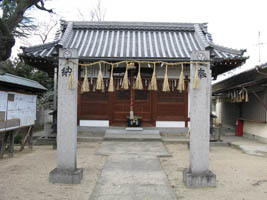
132, 134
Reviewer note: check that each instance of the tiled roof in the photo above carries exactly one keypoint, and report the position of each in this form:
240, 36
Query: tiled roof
16, 80
133, 40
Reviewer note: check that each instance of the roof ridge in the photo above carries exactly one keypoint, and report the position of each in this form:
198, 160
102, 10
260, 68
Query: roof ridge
134, 22
36, 47
20, 77
66, 34
236, 75
201, 36
133, 25
230, 50
9, 76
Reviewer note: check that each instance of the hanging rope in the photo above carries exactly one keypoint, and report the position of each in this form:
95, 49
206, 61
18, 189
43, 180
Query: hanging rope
71, 77
240, 95
181, 80
138, 83
100, 81
125, 84
153, 84
246, 100
196, 79
85, 85
166, 86
136, 61
111, 84
239, 98
234, 96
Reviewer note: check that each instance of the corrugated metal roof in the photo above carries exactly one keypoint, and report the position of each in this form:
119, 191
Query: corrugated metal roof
16, 80
245, 79
134, 40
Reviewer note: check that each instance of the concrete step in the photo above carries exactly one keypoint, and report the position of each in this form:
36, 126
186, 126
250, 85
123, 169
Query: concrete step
132, 134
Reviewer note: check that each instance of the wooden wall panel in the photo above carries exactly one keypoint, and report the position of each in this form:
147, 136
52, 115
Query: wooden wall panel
150, 105
253, 109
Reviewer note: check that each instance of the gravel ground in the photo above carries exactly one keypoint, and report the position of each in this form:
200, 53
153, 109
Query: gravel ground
239, 176
26, 175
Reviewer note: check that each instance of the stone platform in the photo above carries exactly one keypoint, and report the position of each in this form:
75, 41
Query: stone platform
207, 179
66, 176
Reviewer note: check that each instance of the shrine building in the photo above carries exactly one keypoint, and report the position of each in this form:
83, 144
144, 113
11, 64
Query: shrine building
133, 68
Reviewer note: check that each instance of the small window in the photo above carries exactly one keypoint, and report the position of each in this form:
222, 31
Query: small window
11, 97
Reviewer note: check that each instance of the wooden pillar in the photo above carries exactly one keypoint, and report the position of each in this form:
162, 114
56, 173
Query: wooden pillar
154, 103
3, 145
11, 144
111, 100
30, 139
131, 95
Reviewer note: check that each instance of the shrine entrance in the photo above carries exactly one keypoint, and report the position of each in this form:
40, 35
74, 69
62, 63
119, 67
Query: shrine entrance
177, 52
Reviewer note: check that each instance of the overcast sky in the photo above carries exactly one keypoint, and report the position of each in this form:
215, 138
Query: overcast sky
232, 23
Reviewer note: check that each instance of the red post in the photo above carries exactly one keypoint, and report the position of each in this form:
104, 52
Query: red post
131, 95
239, 128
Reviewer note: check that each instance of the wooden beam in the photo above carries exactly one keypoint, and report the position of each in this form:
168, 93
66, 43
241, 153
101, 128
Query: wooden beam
259, 99
25, 139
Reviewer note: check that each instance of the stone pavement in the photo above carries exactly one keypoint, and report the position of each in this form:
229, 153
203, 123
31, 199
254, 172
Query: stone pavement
132, 172
138, 148
246, 145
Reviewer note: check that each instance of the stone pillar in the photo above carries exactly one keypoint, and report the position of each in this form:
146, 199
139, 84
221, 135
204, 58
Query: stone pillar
66, 171
54, 121
198, 174
55, 89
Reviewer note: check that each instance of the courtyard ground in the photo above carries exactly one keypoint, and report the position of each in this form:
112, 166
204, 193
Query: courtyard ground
240, 176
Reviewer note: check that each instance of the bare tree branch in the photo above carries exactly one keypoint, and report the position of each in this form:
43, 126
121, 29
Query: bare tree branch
45, 29
96, 14
80, 15
42, 7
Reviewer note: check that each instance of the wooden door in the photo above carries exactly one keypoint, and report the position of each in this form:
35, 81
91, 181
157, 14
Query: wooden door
142, 107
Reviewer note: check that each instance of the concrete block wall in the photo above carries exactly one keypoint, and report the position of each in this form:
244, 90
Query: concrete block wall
255, 130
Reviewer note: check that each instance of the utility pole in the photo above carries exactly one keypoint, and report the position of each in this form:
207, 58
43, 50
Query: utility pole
259, 45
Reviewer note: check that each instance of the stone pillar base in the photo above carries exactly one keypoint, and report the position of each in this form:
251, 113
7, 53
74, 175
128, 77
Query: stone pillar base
66, 176
207, 179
